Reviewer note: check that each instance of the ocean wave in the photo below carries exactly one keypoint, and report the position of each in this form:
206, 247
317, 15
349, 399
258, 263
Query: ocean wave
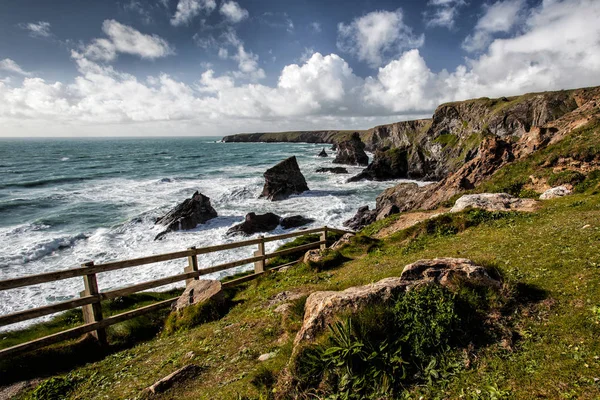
45, 182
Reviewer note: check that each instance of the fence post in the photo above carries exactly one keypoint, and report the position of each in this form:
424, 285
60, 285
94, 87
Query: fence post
92, 312
324, 238
192, 266
259, 266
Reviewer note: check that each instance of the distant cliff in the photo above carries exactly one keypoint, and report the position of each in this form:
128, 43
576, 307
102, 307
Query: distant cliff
439, 146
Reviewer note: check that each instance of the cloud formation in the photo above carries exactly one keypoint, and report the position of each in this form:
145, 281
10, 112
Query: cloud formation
127, 40
10, 66
376, 36
188, 9
500, 17
557, 46
37, 29
232, 11
443, 12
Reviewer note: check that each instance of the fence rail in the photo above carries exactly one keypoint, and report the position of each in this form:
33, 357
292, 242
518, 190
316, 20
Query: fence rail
91, 296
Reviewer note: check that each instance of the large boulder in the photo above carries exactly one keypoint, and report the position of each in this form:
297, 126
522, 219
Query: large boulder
494, 202
386, 165
351, 151
447, 271
199, 291
558, 191
283, 180
322, 308
255, 223
295, 221
187, 215
333, 170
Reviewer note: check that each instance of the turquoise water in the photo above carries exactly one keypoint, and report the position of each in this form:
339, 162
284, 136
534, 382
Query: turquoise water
67, 201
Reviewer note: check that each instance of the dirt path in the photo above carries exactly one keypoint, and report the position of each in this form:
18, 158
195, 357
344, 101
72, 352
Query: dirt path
406, 220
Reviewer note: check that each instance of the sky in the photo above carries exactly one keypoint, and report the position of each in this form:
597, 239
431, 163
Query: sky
216, 67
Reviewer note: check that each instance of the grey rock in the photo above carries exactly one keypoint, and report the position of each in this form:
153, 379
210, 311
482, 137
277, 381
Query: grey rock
254, 223
558, 191
283, 180
187, 215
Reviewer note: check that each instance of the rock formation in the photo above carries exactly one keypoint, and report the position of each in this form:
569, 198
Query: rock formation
199, 291
323, 153
283, 180
322, 308
255, 223
187, 215
295, 221
494, 202
558, 191
386, 165
363, 217
351, 151
333, 170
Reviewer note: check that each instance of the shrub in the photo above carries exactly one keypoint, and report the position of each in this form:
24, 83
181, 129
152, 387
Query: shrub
377, 352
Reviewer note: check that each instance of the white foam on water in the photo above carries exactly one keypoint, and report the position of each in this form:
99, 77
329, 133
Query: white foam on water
33, 248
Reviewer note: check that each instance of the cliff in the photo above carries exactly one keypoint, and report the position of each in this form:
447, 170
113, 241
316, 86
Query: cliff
439, 146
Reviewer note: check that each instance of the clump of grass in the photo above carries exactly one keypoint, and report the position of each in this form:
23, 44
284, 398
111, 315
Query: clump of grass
566, 177
332, 237
55, 388
194, 315
329, 259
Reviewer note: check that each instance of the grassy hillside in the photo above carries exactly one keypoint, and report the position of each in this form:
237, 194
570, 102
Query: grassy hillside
554, 353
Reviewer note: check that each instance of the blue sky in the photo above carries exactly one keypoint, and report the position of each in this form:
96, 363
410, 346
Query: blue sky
214, 67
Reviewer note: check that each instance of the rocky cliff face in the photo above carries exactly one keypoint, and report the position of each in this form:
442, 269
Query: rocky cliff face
509, 129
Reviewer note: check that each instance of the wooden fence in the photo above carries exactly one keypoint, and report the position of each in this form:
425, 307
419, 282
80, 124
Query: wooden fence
91, 296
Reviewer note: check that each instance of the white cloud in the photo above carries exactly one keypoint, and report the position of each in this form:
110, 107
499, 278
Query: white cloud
37, 29
557, 47
315, 27
377, 36
248, 65
188, 9
125, 39
499, 17
9, 65
443, 12
223, 53
232, 11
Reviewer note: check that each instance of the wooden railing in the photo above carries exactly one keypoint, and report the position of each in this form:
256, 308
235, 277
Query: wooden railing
91, 296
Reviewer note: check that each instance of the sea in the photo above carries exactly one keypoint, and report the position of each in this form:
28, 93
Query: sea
64, 202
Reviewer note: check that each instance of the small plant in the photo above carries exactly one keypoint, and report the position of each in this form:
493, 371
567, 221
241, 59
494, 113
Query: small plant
56, 388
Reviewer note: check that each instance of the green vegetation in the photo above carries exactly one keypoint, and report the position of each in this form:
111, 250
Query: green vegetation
446, 140
545, 324
582, 145
381, 351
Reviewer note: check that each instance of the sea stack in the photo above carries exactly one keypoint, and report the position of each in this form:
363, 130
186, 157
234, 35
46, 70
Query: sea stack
352, 152
254, 223
187, 215
323, 153
283, 180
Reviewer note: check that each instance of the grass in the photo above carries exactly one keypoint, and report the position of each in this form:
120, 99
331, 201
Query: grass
554, 351
582, 145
